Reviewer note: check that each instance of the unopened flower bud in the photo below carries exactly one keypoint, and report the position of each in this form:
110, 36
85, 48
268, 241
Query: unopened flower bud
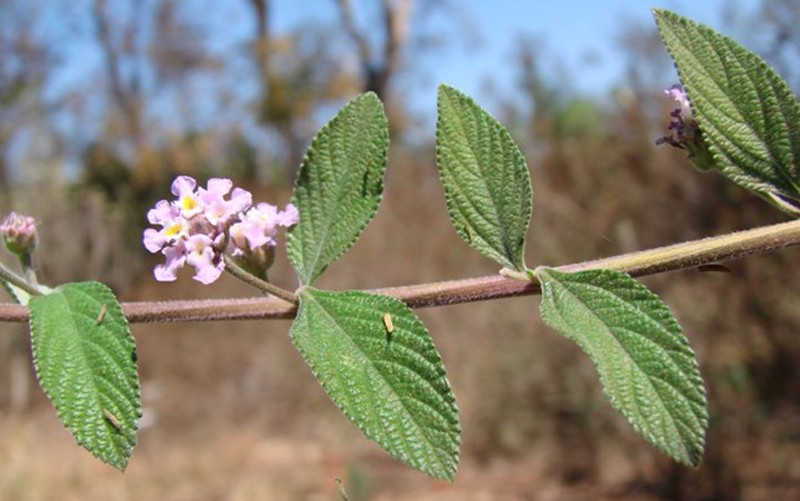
257, 261
19, 234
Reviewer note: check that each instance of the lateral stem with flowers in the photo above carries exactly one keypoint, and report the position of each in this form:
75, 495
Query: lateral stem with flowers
676, 257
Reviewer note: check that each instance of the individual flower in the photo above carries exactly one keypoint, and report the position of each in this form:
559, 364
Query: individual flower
188, 201
173, 226
202, 253
218, 210
259, 225
678, 93
176, 257
19, 234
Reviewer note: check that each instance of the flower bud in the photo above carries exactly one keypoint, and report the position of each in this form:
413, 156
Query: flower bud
258, 261
19, 234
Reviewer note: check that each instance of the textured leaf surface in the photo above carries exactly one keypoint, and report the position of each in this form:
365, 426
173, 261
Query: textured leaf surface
85, 363
748, 115
339, 186
486, 180
384, 373
646, 366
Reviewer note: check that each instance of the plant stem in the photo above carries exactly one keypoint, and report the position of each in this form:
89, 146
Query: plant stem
14, 279
680, 256
28, 270
698, 252
262, 285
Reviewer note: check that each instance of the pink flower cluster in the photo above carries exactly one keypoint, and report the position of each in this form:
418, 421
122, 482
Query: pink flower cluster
203, 223
19, 233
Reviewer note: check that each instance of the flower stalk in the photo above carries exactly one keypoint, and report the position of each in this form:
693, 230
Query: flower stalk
262, 285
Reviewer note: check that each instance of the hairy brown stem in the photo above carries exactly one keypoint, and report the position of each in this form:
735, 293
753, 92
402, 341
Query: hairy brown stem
648, 262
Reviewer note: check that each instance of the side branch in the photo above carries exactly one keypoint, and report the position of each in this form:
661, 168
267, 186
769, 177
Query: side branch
680, 256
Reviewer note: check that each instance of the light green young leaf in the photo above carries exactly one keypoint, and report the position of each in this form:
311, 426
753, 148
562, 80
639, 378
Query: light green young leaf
85, 360
747, 114
646, 366
486, 180
339, 186
376, 361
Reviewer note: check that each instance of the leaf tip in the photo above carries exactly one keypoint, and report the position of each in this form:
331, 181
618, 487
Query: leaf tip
443, 87
450, 92
369, 96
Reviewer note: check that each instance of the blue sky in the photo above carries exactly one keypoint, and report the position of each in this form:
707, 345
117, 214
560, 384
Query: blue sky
580, 38
581, 33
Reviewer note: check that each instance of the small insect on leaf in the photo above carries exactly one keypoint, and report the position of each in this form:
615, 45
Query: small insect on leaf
101, 315
387, 322
112, 419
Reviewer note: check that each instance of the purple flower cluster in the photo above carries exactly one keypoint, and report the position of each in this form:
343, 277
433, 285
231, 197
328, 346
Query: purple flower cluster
203, 223
685, 131
682, 125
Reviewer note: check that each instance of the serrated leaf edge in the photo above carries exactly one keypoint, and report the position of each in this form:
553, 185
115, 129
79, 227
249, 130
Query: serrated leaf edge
466, 231
691, 456
443, 465
309, 277
112, 307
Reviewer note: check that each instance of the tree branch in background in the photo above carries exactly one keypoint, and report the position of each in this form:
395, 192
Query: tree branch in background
377, 73
126, 95
262, 42
25, 65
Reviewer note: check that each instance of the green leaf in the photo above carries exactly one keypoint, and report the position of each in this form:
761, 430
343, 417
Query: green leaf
339, 186
747, 114
486, 180
646, 366
376, 361
85, 361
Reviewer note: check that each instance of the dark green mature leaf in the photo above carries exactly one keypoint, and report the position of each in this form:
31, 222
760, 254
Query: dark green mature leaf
486, 180
85, 361
339, 186
646, 366
376, 361
747, 114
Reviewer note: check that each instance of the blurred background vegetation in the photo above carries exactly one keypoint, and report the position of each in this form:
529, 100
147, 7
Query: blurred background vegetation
231, 412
